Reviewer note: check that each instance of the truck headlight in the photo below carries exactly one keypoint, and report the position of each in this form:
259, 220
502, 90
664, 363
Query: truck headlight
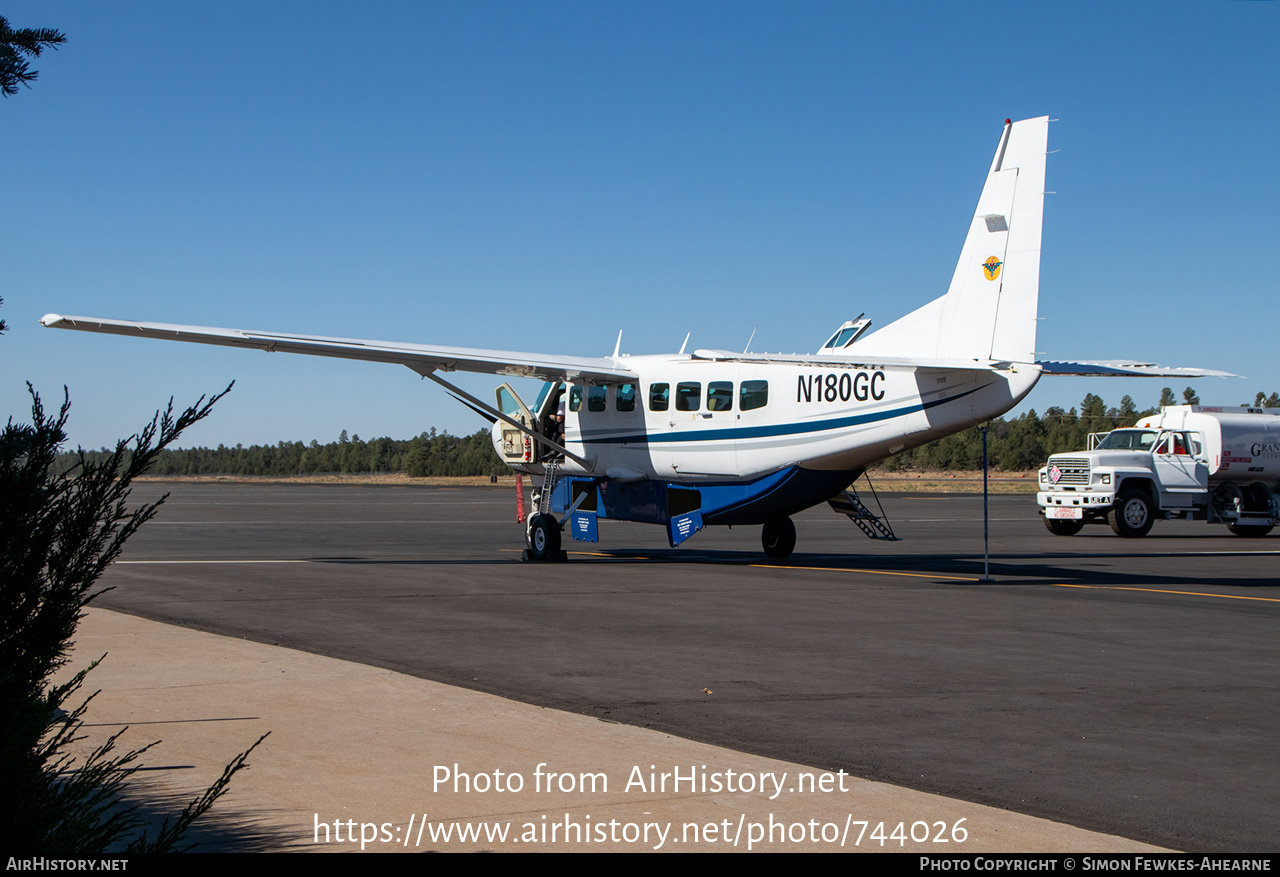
1106, 478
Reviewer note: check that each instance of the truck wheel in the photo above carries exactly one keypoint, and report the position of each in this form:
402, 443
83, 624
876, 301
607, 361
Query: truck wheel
1228, 497
544, 538
1132, 515
1254, 498
1258, 498
778, 538
1064, 527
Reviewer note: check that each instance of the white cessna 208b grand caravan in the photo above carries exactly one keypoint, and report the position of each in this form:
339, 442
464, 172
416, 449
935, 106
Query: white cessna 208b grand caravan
714, 437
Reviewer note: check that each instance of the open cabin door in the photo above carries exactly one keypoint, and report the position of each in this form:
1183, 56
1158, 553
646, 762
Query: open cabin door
517, 447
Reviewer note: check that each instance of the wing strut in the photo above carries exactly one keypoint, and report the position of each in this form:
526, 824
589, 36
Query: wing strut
587, 463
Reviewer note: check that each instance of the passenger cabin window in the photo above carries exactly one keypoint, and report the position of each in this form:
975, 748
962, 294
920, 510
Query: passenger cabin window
720, 396
659, 397
595, 398
575, 398
754, 394
626, 398
688, 396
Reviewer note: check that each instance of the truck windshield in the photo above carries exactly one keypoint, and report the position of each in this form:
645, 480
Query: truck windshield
1128, 440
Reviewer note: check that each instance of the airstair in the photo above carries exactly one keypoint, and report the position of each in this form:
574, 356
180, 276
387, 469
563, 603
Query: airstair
542, 502
873, 525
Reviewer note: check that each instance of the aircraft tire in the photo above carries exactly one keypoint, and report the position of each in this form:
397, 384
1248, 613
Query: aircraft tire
1132, 515
544, 538
1060, 527
778, 537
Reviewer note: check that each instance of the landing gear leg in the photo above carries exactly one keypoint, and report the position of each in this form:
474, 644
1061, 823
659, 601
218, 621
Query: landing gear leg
778, 538
544, 539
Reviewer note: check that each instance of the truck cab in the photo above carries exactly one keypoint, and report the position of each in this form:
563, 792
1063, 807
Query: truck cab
1128, 478
1192, 462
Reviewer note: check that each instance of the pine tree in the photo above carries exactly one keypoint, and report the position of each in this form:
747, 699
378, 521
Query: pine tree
58, 533
1128, 413
16, 46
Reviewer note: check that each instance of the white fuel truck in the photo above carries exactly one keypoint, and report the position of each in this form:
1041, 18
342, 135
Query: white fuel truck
1189, 461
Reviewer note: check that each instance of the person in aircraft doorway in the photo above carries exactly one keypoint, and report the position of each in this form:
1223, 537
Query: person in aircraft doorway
557, 429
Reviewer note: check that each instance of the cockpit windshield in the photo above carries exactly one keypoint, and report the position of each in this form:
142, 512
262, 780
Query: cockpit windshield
1128, 440
542, 394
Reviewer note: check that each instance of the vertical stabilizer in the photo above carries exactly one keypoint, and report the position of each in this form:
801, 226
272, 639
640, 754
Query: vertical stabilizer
989, 311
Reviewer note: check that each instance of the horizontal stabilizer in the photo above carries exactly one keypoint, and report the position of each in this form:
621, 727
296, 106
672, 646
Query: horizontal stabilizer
1121, 368
422, 358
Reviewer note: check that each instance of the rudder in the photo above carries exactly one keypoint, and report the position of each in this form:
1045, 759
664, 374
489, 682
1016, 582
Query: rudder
989, 311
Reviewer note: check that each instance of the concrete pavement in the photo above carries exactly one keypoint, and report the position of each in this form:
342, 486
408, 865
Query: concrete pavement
362, 757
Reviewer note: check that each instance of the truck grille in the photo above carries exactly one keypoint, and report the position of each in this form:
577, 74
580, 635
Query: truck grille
1071, 470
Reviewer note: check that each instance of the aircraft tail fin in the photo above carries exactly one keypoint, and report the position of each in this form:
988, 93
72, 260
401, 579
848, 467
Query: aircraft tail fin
989, 311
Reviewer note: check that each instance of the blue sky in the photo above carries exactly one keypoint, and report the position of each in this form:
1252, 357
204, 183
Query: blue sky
537, 176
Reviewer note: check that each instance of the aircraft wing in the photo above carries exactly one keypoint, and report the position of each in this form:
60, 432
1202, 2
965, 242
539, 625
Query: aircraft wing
423, 359
1125, 368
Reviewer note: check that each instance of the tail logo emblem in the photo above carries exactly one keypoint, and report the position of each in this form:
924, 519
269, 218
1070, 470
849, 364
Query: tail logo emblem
991, 268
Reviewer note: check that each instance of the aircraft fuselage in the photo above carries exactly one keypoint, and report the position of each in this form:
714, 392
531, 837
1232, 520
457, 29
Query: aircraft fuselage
725, 424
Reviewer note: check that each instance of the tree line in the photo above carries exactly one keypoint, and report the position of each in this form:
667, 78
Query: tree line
1017, 444
428, 454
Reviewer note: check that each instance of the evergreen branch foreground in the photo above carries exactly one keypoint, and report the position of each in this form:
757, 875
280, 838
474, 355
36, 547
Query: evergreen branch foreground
58, 534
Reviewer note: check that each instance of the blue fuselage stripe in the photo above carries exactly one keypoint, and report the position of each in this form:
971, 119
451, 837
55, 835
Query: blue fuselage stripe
777, 429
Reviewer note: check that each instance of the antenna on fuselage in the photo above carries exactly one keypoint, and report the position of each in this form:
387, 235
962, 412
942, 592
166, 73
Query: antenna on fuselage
747, 349
686, 341
618, 347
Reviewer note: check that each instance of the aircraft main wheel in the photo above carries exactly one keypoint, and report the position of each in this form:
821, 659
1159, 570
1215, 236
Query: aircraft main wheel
544, 538
1132, 515
778, 538
1064, 527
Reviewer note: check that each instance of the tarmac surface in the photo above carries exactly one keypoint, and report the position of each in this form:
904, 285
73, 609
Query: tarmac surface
1121, 686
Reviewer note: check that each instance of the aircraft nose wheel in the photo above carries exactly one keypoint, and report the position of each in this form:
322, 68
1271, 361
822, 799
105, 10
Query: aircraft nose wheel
778, 538
544, 538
